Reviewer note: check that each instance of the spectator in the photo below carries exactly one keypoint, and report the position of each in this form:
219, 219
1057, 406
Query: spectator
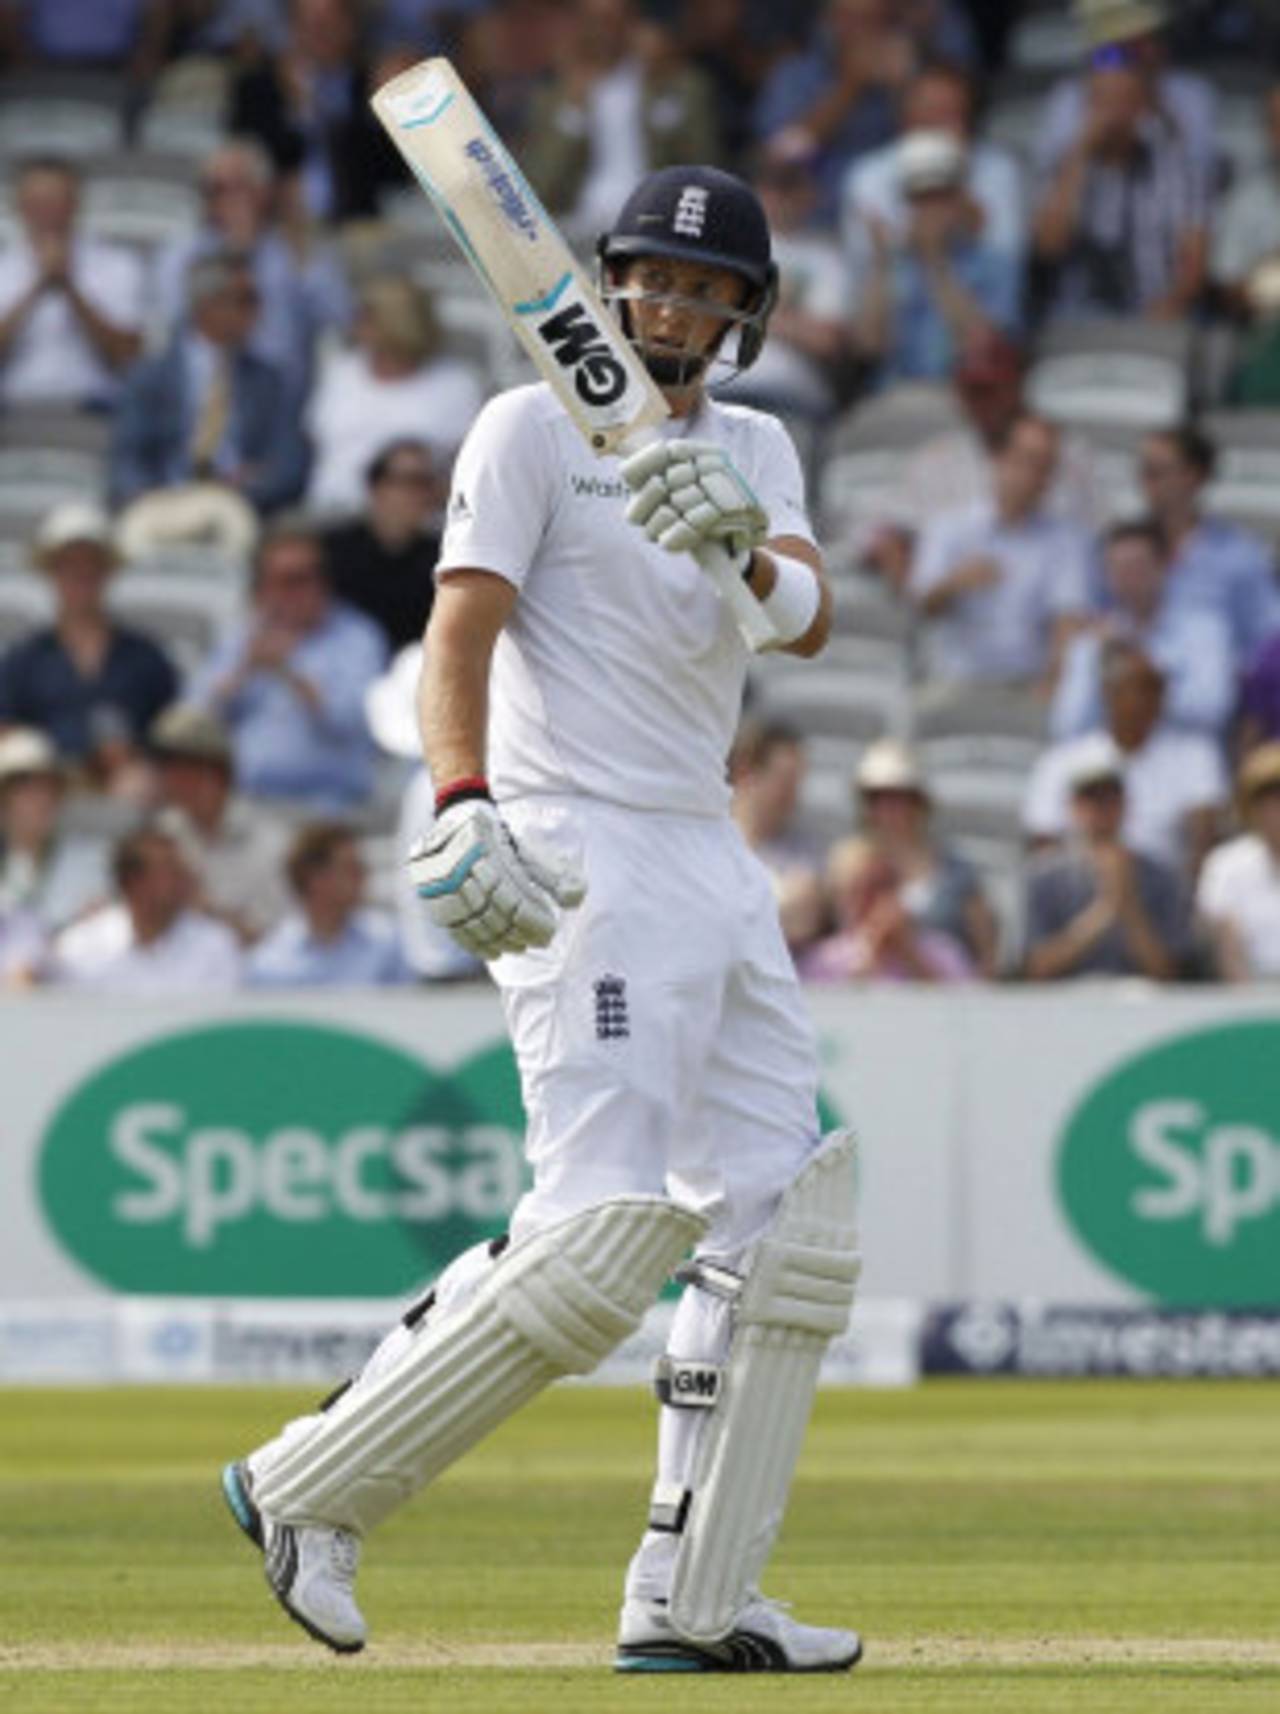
290, 682
938, 888
1260, 698
424, 25
150, 940
383, 561
397, 383
309, 108
1247, 229
838, 97
725, 43
624, 103
1254, 381
941, 98
876, 937
89, 684
940, 30
1003, 582
1180, 105
302, 292
508, 52
1175, 784
127, 35
1121, 219
766, 770
48, 874
1214, 564
1095, 907
329, 940
1239, 892
953, 468
806, 359
23, 947
236, 849
1191, 645
936, 282
70, 306
206, 409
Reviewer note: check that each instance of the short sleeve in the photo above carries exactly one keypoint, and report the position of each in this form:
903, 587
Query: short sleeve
501, 494
1217, 883
1202, 775
778, 481
935, 555
1069, 573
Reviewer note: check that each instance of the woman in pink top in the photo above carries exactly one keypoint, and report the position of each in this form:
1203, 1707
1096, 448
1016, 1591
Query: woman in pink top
876, 938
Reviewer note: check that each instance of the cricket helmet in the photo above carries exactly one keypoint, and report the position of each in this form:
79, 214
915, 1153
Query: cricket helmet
700, 214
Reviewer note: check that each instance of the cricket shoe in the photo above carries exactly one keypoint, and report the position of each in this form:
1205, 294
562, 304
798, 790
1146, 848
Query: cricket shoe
764, 1638
311, 1569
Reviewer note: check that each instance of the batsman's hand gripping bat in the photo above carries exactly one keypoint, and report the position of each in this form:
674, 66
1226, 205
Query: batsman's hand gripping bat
511, 242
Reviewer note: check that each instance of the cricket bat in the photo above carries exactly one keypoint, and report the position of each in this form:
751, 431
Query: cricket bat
554, 309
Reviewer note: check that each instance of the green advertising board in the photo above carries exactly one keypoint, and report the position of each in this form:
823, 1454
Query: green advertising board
281, 1159
1169, 1169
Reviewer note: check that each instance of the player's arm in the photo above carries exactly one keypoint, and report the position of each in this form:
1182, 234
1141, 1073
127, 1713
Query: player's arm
762, 580
469, 611
492, 895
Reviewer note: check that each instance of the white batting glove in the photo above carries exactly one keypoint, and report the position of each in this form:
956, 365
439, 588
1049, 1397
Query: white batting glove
492, 895
688, 493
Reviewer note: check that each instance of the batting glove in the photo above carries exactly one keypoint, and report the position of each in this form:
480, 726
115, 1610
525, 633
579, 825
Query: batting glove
492, 895
689, 493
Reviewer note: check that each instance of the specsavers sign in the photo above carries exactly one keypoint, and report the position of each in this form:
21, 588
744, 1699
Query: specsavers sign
1169, 1169
280, 1159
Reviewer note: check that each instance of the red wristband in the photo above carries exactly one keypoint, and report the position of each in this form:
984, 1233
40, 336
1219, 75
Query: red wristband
459, 791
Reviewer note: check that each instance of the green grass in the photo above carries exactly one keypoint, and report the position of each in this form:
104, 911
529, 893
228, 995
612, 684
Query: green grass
1002, 1547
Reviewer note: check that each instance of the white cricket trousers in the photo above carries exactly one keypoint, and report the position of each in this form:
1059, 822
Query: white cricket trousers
662, 1038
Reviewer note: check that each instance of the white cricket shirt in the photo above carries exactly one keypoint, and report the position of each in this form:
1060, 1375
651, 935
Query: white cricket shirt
620, 673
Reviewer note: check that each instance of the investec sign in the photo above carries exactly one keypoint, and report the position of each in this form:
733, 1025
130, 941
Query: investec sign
280, 1159
1169, 1170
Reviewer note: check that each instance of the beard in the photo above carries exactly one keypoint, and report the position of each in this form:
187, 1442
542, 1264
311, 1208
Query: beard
670, 369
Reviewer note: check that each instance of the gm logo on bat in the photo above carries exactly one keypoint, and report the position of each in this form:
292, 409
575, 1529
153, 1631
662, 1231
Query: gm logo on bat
576, 343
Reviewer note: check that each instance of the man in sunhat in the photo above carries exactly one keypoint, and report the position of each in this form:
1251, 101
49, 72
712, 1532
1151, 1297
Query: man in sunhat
236, 848
91, 685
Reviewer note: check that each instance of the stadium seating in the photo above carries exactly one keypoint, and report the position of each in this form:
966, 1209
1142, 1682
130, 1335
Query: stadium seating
184, 615
26, 601
141, 199
1133, 374
1247, 481
79, 126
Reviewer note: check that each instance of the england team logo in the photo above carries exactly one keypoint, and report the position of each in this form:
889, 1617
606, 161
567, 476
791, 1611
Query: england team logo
691, 212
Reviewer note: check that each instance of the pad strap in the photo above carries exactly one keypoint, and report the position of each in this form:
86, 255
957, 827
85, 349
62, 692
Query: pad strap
687, 1385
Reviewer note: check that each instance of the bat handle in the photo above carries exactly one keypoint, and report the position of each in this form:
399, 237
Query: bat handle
752, 620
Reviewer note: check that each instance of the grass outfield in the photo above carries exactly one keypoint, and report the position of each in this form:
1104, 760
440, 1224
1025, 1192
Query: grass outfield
1002, 1547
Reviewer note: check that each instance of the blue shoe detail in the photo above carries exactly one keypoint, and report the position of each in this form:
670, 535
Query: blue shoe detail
235, 1491
657, 1663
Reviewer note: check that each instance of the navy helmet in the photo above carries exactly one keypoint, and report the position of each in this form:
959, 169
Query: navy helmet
700, 214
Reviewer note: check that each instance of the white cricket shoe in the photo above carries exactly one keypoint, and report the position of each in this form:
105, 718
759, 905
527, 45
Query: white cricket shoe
764, 1638
311, 1569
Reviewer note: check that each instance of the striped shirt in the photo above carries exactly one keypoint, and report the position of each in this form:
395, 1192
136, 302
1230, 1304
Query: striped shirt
1132, 220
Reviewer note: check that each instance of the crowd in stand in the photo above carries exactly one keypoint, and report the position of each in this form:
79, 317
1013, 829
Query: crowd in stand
275, 385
